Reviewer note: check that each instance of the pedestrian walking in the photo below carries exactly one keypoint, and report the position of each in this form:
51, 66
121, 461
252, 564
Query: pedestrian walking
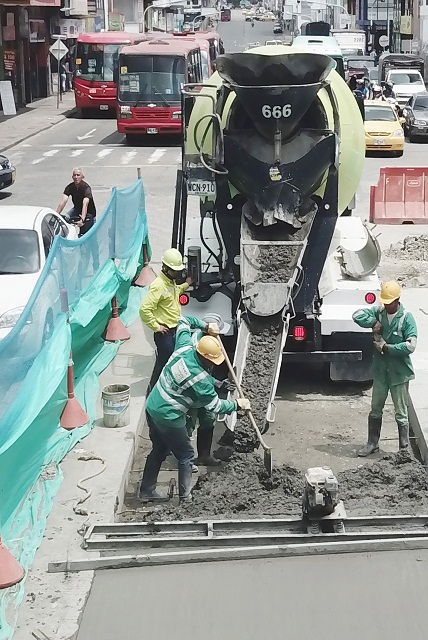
394, 338
184, 384
161, 309
83, 214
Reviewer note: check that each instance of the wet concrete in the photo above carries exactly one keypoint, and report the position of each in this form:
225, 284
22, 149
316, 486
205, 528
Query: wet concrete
277, 263
337, 597
396, 484
256, 384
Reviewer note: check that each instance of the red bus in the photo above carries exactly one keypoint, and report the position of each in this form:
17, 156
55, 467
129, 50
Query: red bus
151, 75
96, 63
225, 14
210, 53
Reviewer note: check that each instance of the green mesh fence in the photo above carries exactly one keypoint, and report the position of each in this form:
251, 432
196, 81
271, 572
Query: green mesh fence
33, 362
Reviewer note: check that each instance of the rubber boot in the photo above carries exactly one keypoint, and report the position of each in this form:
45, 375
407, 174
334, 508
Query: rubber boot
403, 436
184, 482
204, 440
150, 478
375, 425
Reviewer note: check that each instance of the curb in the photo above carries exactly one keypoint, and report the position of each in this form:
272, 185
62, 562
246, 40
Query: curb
60, 118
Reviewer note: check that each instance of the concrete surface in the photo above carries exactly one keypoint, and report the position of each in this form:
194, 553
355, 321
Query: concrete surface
39, 116
341, 597
54, 602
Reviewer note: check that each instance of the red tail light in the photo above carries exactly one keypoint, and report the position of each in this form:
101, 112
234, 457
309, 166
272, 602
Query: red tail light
183, 299
299, 333
370, 298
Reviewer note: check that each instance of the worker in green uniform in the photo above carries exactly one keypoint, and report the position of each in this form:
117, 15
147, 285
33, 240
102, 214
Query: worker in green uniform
202, 419
395, 337
184, 384
161, 308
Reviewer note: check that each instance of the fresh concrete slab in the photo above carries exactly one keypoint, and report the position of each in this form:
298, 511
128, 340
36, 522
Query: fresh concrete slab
351, 597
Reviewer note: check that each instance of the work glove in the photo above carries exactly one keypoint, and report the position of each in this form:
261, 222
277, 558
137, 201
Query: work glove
243, 404
225, 385
377, 327
213, 329
379, 344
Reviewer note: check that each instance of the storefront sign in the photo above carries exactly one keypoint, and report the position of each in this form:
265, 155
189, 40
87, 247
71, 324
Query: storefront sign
406, 25
67, 27
9, 60
116, 22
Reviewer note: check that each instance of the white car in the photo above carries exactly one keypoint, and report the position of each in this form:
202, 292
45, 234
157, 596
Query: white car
26, 236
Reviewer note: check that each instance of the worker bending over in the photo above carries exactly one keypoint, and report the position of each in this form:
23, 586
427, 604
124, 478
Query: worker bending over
161, 308
184, 384
202, 419
395, 336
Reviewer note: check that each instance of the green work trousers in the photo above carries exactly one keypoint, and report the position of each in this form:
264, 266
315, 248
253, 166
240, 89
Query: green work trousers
400, 398
205, 418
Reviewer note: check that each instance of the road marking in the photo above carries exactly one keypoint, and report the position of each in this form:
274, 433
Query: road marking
102, 154
87, 135
128, 156
47, 154
156, 155
76, 152
85, 144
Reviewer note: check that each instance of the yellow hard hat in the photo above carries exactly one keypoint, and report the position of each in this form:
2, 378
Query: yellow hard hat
209, 347
390, 291
173, 259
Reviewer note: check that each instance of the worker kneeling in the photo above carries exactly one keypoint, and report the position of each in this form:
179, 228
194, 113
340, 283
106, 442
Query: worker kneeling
184, 384
394, 339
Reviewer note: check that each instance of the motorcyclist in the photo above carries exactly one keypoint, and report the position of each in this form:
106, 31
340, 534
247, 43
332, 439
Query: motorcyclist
377, 92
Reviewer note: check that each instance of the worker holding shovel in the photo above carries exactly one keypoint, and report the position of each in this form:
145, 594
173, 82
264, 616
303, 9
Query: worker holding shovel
184, 384
394, 339
202, 419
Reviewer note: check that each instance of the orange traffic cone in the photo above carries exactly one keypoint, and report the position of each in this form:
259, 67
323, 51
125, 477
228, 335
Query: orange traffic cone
116, 330
146, 275
73, 414
11, 571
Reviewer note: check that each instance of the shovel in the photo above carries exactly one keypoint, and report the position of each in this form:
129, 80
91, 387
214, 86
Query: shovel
146, 275
267, 451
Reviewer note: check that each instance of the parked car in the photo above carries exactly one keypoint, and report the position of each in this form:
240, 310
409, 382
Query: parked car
26, 236
277, 28
415, 114
266, 17
7, 173
383, 128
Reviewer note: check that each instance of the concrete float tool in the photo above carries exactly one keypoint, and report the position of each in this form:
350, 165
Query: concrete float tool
267, 451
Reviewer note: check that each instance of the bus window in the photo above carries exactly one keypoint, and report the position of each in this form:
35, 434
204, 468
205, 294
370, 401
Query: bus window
152, 79
96, 61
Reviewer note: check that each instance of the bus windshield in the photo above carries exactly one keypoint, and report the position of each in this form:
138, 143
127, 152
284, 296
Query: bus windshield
151, 79
97, 61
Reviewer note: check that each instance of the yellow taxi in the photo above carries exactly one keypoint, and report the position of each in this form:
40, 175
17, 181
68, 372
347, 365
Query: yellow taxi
383, 128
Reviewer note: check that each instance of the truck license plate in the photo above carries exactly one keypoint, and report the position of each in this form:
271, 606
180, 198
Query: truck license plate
379, 142
152, 130
201, 188
103, 107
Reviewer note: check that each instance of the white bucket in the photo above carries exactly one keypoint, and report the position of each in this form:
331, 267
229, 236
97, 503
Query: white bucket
116, 403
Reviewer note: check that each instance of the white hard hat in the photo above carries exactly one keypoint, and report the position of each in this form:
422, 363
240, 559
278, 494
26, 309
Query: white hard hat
215, 317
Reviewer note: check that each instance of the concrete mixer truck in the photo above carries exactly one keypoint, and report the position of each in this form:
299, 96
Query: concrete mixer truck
273, 151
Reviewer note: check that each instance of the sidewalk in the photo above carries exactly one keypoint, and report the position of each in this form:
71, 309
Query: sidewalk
39, 116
